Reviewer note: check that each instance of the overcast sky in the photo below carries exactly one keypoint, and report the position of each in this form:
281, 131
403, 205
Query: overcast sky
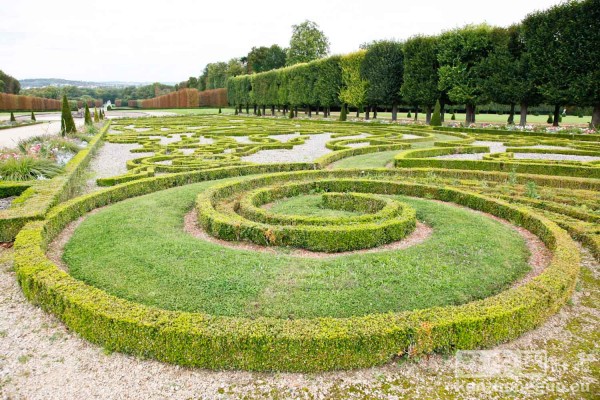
168, 41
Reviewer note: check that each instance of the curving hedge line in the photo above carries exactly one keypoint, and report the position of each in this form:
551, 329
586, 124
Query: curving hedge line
267, 344
243, 220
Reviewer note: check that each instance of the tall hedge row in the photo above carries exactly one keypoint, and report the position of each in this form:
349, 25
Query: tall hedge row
13, 102
185, 98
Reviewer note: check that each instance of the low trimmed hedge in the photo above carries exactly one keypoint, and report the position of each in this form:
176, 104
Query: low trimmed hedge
307, 345
315, 234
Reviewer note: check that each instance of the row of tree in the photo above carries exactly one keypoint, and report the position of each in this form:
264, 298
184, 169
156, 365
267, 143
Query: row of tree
551, 57
13, 102
307, 43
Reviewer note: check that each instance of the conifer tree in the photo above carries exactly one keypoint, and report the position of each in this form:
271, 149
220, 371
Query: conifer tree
343, 113
96, 117
67, 125
12, 117
33, 116
436, 118
87, 116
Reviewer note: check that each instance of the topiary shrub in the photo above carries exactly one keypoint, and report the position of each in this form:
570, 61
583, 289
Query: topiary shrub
408, 115
453, 117
96, 116
222, 111
67, 125
259, 113
12, 117
550, 120
343, 113
87, 116
33, 116
436, 118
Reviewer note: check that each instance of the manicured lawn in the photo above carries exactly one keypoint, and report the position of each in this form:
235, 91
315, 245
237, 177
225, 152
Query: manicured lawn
136, 249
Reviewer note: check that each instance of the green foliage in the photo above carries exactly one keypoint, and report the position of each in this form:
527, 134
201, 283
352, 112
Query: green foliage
408, 115
96, 116
436, 118
550, 119
307, 43
87, 115
354, 87
453, 117
420, 80
67, 125
344, 113
383, 67
27, 168
12, 117
9, 84
32, 116
262, 59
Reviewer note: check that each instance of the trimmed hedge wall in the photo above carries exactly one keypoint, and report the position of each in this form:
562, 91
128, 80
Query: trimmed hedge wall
307, 345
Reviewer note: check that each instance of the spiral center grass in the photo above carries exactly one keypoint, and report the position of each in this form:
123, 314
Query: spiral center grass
233, 212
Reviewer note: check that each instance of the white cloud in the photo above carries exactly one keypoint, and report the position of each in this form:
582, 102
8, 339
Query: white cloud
171, 40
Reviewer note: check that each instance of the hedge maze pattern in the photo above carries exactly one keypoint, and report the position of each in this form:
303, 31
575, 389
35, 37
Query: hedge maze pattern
556, 200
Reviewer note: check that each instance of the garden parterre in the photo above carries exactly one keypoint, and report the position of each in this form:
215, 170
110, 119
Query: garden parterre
531, 194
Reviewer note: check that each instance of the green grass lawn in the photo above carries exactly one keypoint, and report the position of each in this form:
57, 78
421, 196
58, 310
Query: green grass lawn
137, 250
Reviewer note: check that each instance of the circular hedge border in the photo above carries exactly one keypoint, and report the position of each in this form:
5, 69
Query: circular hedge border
225, 217
268, 344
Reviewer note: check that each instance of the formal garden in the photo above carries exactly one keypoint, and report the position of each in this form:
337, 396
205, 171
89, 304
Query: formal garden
322, 255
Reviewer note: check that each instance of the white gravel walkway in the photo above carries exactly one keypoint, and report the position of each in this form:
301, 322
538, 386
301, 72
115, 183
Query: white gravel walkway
313, 148
51, 126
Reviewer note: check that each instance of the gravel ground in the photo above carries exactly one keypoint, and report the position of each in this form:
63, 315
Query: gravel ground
555, 157
6, 202
110, 161
478, 156
51, 126
313, 148
41, 359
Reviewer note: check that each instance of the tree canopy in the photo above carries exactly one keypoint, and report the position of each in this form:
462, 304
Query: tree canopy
308, 43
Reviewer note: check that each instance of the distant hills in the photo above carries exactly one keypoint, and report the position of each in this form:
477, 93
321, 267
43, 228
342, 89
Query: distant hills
43, 82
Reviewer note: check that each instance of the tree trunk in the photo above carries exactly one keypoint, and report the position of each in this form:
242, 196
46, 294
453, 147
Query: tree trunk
511, 115
241, 109
416, 113
309, 112
428, 115
357, 112
442, 110
470, 114
264, 108
247, 109
328, 112
596, 117
523, 119
272, 110
296, 112
317, 110
556, 115
394, 112
367, 113
374, 112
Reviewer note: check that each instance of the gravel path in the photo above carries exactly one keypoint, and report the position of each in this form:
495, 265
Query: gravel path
313, 148
555, 157
51, 126
41, 359
6, 202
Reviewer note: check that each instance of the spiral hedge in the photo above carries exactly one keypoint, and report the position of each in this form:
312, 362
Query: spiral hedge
563, 207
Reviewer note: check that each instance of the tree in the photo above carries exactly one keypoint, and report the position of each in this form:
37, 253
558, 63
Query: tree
217, 75
344, 113
192, 82
507, 73
354, 87
87, 116
460, 52
382, 67
307, 43
32, 116
96, 116
67, 125
12, 117
421, 80
262, 59
436, 119
235, 67
563, 46
9, 84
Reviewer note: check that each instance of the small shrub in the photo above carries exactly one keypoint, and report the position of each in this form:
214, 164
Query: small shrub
96, 116
550, 120
344, 113
453, 117
87, 116
409, 115
221, 111
537, 114
436, 118
12, 117
531, 190
33, 116
67, 125
259, 113
109, 108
